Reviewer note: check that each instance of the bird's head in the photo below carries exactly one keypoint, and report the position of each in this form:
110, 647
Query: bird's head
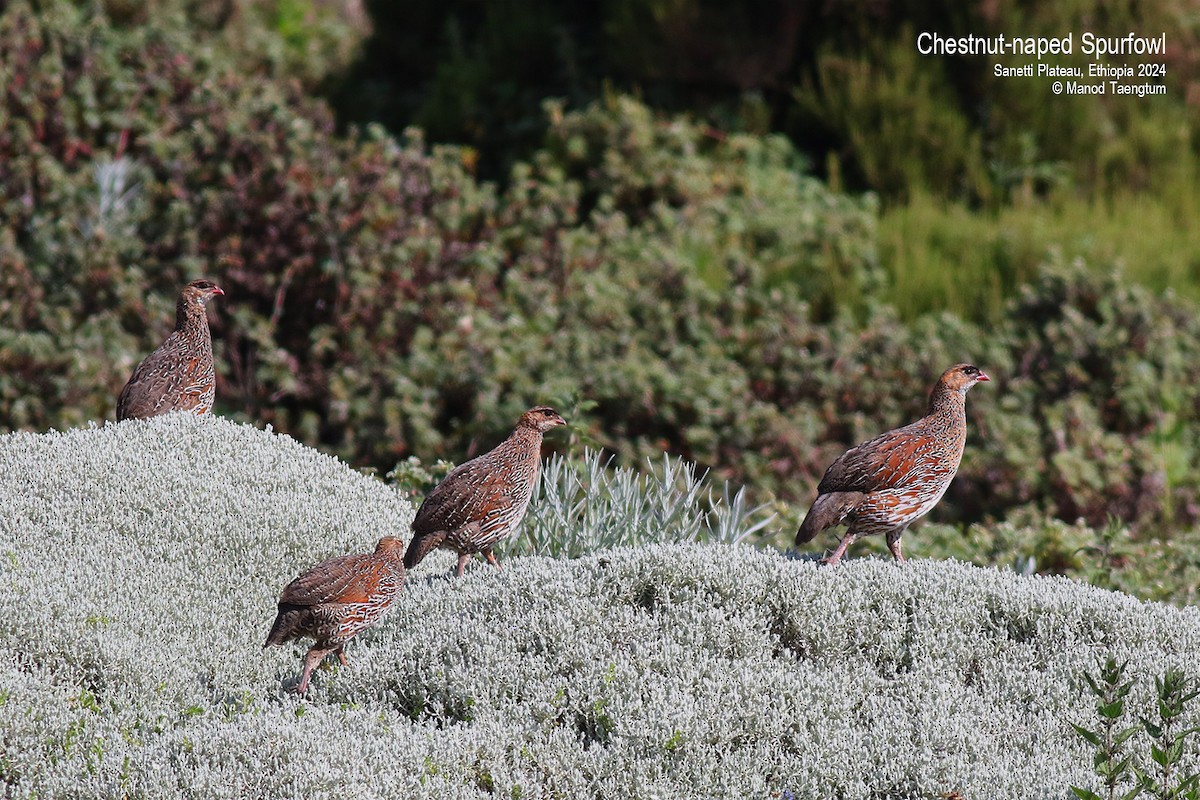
200, 292
390, 544
541, 418
962, 377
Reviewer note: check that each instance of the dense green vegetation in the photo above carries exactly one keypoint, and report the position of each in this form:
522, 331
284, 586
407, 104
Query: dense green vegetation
980, 177
843, 81
672, 281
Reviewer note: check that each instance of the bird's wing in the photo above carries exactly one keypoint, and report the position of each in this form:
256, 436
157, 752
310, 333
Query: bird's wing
146, 387
462, 497
345, 579
193, 384
162, 379
884, 462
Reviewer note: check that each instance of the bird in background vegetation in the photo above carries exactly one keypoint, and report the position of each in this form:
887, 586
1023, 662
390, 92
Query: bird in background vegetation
179, 375
336, 600
482, 501
885, 484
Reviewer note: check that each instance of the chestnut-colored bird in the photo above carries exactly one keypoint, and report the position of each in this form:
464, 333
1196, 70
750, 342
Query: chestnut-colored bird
482, 501
336, 600
889, 482
179, 375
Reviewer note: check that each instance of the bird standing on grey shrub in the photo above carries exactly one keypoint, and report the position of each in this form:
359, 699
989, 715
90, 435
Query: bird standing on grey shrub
179, 375
889, 482
336, 600
482, 501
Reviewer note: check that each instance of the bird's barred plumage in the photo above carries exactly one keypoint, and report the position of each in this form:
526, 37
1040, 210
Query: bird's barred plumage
481, 503
179, 375
884, 485
338, 599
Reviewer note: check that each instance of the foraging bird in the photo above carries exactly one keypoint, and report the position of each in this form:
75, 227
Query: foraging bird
482, 501
336, 600
889, 482
179, 375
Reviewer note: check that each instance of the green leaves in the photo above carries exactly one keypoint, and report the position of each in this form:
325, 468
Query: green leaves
1124, 775
682, 291
1175, 690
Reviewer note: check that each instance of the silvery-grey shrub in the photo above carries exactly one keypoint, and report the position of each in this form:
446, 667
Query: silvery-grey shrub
140, 564
585, 504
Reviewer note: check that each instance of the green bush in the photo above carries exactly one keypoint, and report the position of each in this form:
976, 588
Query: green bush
1109, 375
940, 255
318, 240
906, 123
669, 286
897, 117
844, 82
379, 301
312, 41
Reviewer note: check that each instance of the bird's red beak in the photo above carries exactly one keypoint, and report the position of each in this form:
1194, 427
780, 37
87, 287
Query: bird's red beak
218, 290
983, 377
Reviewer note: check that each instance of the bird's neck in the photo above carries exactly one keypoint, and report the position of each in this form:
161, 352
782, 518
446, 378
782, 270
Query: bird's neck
947, 404
521, 455
190, 317
528, 439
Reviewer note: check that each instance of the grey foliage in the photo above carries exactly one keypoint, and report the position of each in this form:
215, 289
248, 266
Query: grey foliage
140, 563
585, 504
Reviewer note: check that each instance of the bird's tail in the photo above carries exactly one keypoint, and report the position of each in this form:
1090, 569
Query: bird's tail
827, 510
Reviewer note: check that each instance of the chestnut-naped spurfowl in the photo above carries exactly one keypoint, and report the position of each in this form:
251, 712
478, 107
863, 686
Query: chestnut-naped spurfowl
179, 375
482, 502
336, 600
889, 482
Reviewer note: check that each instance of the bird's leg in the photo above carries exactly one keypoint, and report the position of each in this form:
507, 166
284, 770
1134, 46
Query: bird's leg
847, 540
314, 657
341, 654
491, 558
893, 541
463, 558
